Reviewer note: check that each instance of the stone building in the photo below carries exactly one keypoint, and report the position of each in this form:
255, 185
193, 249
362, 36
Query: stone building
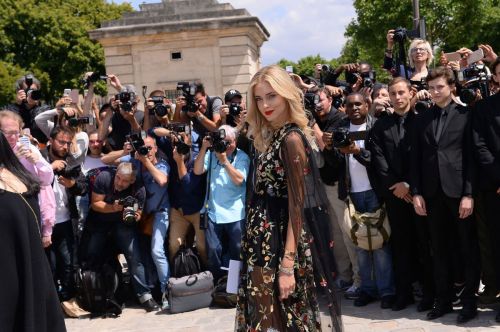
184, 40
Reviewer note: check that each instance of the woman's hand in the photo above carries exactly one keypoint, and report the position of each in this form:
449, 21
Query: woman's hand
286, 285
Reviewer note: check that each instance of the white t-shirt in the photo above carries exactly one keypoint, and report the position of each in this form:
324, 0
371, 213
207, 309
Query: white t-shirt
359, 177
62, 211
91, 163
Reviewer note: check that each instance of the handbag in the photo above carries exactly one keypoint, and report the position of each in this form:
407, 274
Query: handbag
185, 263
190, 292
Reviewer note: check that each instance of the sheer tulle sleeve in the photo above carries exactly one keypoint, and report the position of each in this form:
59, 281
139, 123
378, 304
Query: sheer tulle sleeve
293, 154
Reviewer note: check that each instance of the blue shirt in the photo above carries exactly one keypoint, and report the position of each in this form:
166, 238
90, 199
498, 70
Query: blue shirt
156, 195
226, 203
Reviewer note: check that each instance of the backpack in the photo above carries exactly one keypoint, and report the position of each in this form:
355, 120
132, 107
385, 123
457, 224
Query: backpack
186, 262
96, 289
369, 230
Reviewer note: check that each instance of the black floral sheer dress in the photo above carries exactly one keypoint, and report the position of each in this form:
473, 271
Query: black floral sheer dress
280, 191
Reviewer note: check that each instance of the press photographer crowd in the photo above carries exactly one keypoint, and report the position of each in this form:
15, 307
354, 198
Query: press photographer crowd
146, 200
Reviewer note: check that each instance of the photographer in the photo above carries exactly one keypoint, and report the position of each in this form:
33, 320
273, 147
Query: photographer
125, 118
205, 117
69, 183
152, 173
28, 105
381, 105
157, 110
227, 169
233, 110
358, 183
116, 206
442, 180
486, 137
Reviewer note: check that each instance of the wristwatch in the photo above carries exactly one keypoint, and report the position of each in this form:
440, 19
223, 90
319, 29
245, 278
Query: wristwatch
225, 164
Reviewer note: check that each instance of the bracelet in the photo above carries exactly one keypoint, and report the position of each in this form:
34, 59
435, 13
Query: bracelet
290, 255
286, 270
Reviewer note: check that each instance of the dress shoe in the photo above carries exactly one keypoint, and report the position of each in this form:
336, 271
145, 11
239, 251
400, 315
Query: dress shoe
439, 311
363, 299
386, 302
425, 305
466, 314
402, 302
150, 305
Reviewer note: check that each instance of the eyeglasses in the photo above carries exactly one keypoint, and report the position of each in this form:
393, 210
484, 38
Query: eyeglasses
10, 133
61, 142
418, 49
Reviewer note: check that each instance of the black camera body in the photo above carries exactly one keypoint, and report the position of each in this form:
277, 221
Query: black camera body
75, 122
477, 77
69, 172
177, 127
137, 142
342, 137
217, 139
401, 34
311, 99
423, 105
234, 111
92, 78
130, 207
34, 94
369, 78
188, 91
159, 108
127, 100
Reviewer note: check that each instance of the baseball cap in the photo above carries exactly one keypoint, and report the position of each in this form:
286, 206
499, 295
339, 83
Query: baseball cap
231, 94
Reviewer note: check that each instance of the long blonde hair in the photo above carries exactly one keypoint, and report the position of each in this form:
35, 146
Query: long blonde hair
259, 128
424, 44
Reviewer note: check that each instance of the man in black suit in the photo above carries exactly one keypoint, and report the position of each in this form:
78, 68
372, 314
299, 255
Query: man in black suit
486, 137
442, 183
390, 148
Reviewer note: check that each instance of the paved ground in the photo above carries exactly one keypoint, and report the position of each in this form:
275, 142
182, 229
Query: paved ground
369, 318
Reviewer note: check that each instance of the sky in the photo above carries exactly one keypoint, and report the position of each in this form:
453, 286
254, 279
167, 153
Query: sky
298, 28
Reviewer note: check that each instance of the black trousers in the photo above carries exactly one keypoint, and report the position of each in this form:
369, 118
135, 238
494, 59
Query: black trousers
403, 244
491, 207
454, 247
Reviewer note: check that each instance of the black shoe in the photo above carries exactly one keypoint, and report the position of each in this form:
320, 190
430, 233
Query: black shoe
439, 311
386, 302
466, 314
150, 305
425, 305
457, 294
497, 317
402, 302
363, 300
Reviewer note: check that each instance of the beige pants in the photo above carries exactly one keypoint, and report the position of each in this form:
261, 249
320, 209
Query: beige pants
179, 229
344, 249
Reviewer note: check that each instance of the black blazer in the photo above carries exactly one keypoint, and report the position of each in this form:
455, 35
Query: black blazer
448, 163
391, 153
486, 138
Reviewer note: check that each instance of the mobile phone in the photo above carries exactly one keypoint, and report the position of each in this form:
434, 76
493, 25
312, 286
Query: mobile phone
453, 56
66, 92
475, 56
25, 141
75, 96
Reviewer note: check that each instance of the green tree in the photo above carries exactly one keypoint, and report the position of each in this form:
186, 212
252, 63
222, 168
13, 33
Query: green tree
50, 39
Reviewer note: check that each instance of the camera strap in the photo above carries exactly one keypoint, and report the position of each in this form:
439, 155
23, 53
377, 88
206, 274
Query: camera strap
207, 193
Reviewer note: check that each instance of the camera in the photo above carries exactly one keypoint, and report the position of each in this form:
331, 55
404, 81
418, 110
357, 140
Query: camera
159, 108
177, 127
423, 105
338, 101
310, 101
34, 94
127, 100
188, 91
342, 137
137, 142
234, 111
75, 122
477, 77
368, 78
217, 139
130, 207
92, 78
69, 172
400, 34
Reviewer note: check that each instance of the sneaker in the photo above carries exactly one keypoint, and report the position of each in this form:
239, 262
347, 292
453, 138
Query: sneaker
352, 293
165, 305
457, 294
344, 285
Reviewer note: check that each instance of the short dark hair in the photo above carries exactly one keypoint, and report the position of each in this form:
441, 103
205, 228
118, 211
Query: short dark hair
443, 72
199, 88
494, 65
397, 80
365, 98
326, 91
61, 129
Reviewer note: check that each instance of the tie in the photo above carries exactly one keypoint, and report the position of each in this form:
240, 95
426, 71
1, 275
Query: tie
440, 124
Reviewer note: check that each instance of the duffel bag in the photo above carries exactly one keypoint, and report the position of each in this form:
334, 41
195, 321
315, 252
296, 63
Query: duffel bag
190, 292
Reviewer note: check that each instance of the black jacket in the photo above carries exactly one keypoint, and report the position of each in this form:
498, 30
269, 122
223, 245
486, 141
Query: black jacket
364, 158
28, 116
486, 138
390, 150
448, 163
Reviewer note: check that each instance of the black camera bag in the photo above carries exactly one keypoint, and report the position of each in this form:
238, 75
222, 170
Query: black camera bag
186, 262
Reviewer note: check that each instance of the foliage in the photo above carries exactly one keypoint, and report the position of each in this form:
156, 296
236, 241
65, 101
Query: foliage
50, 39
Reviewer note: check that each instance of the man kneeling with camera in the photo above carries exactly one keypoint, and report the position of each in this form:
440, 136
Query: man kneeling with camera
115, 209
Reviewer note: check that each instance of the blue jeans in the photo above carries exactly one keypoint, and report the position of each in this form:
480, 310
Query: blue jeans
375, 267
223, 243
160, 227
